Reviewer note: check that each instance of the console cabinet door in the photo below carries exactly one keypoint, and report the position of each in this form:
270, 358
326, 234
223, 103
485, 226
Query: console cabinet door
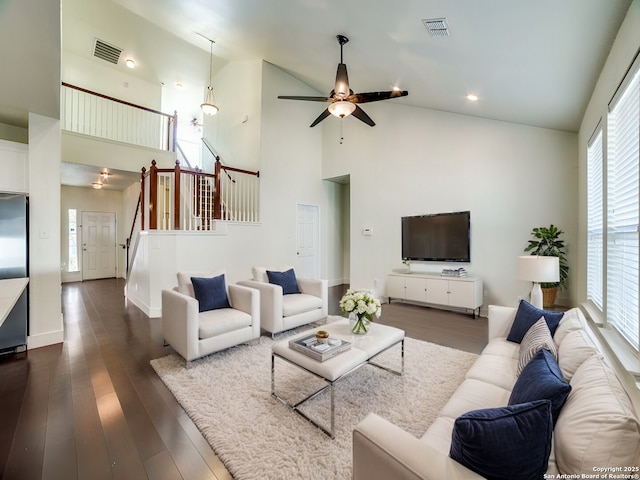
416, 289
438, 291
462, 294
396, 287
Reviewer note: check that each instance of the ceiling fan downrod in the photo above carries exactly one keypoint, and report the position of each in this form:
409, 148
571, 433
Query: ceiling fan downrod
341, 40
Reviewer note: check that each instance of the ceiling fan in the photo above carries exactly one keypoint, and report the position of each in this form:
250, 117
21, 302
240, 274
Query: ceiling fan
343, 101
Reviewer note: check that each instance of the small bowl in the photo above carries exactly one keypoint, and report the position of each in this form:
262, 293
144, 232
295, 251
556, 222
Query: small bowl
322, 336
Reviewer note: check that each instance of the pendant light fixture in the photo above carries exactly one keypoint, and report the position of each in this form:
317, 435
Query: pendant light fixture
209, 106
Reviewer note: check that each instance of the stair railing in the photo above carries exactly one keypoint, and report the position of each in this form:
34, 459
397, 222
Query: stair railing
135, 228
181, 199
239, 191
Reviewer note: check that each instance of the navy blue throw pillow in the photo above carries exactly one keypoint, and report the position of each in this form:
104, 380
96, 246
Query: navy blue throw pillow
541, 379
211, 293
527, 315
506, 442
287, 280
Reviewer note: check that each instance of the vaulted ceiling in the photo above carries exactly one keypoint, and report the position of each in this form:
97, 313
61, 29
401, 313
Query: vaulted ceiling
533, 63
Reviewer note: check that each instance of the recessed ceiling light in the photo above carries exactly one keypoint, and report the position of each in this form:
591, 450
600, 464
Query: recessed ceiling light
179, 85
96, 185
130, 63
472, 98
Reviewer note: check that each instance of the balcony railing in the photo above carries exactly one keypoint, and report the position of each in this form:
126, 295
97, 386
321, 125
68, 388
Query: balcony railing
98, 115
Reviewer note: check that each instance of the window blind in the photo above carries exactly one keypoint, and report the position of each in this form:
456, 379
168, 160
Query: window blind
595, 232
623, 188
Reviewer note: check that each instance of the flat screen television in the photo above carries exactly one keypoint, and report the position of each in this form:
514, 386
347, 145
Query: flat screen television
442, 237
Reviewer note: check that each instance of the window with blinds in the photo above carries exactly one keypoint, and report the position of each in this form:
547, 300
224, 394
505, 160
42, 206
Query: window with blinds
595, 231
623, 188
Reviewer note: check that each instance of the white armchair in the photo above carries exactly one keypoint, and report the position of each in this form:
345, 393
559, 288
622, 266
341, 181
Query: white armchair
280, 312
194, 334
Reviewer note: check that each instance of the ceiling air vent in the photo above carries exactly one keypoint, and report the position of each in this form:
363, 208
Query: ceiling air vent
437, 27
106, 52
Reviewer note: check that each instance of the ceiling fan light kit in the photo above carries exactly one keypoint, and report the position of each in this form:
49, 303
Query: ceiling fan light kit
342, 108
343, 102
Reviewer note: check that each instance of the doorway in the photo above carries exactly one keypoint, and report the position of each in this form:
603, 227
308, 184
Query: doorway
98, 245
307, 241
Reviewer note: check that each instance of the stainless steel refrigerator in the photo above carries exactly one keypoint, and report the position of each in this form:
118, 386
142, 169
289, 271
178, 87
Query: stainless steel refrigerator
14, 263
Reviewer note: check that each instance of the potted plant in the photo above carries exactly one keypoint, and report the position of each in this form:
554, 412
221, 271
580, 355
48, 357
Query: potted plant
547, 243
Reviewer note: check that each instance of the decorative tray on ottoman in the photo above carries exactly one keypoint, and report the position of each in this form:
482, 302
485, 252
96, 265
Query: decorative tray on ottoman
310, 346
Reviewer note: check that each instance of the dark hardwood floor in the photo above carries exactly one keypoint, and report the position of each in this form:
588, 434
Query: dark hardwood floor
93, 408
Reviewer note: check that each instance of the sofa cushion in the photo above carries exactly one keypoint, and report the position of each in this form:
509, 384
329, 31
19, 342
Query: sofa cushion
211, 293
495, 369
537, 338
541, 379
438, 435
260, 273
506, 442
287, 280
573, 351
597, 426
499, 346
526, 316
571, 320
473, 394
185, 286
222, 320
299, 303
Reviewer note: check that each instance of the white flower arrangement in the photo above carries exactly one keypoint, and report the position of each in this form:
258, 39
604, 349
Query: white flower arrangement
363, 304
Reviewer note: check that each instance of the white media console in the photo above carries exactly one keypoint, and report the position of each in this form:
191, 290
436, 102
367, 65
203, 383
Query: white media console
448, 292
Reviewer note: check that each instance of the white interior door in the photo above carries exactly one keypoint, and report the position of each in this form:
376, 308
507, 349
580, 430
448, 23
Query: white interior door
98, 245
307, 243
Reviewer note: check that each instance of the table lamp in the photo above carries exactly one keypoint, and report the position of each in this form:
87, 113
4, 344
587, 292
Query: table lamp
538, 270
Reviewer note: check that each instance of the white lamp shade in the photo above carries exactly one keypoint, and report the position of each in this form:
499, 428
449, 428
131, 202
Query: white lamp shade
209, 109
538, 269
342, 108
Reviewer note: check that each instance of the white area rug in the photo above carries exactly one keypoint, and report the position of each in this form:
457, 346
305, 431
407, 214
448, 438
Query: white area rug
228, 396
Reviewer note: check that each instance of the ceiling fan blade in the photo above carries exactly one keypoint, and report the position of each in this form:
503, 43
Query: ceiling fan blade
342, 82
308, 99
362, 116
376, 96
321, 117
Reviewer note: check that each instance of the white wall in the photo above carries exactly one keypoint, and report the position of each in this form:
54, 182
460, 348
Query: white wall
12, 133
45, 303
238, 92
91, 200
417, 161
100, 77
86, 150
620, 58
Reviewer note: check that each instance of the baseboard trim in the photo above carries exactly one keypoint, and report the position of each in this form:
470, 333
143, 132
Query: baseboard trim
148, 311
45, 339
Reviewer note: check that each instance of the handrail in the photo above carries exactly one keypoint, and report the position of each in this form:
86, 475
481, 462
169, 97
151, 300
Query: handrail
117, 100
98, 119
224, 167
133, 227
210, 148
181, 152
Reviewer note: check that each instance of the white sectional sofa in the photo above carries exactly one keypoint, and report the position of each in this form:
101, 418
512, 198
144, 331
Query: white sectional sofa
597, 428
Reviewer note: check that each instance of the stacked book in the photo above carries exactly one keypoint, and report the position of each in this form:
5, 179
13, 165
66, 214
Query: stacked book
319, 351
454, 272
